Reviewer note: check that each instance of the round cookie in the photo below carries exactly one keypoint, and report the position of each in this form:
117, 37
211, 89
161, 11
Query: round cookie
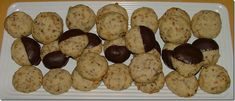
25, 51
214, 79
47, 27
27, 79
79, 83
167, 54
116, 51
206, 24
94, 44
118, 77
111, 25
80, 17
145, 16
181, 86
153, 87
48, 48
18, 24
140, 39
174, 29
112, 8
73, 42
145, 68
209, 49
92, 66
178, 12
187, 60
57, 81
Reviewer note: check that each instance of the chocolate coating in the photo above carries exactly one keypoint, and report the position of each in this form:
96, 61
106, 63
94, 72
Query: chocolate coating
187, 53
117, 54
70, 33
94, 40
32, 49
205, 44
148, 38
166, 57
157, 47
54, 60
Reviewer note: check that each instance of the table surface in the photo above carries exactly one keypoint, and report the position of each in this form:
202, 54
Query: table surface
228, 3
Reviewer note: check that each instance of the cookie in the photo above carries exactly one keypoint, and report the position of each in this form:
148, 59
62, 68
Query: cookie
79, 83
118, 77
187, 60
209, 49
57, 81
111, 25
112, 8
80, 17
116, 51
47, 27
181, 86
178, 12
92, 66
25, 51
214, 79
206, 24
167, 54
27, 79
145, 68
145, 16
94, 44
174, 29
152, 87
18, 24
73, 42
140, 39
48, 48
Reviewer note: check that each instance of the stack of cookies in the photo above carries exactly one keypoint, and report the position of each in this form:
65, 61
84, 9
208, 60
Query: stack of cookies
145, 68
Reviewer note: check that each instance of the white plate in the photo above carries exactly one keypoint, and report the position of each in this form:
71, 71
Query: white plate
8, 66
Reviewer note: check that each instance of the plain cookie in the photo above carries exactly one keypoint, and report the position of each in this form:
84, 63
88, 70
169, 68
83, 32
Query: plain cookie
92, 66
178, 12
82, 84
118, 77
153, 87
174, 29
111, 25
112, 8
214, 79
206, 24
27, 79
47, 27
145, 68
18, 24
80, 17
57, 81
181, 86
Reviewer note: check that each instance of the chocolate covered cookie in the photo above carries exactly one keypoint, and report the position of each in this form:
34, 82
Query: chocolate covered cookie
25, 51
94, 44
140, 39
73, 42
187, 60
209, 49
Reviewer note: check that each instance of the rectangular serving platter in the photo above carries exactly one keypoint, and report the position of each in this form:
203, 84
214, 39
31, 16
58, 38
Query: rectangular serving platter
8, 66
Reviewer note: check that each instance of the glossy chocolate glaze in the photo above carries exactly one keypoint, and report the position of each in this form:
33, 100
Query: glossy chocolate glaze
187, 53
205, 44
148, 38
71, 33
94, 40
117, 54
